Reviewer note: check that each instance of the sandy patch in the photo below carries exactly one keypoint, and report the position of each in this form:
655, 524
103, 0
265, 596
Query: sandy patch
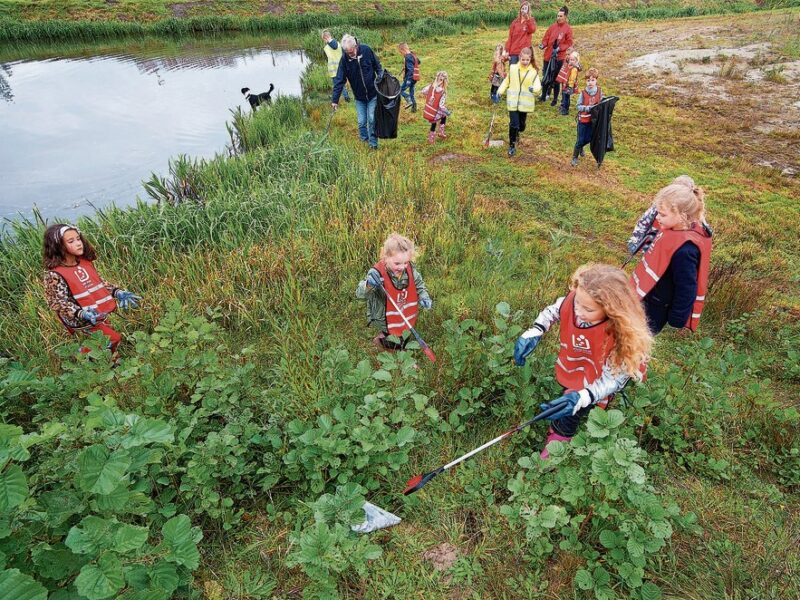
442, 556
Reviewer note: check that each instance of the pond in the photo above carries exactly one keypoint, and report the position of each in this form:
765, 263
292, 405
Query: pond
83, 126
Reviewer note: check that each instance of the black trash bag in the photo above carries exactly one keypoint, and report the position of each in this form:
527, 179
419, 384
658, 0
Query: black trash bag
550, 69
387, 112
602, 137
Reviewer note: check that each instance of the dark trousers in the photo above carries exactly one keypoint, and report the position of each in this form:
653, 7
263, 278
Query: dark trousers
584, 135
513, 59
441, 121
493, 90
516, 125
657, 313
565, 99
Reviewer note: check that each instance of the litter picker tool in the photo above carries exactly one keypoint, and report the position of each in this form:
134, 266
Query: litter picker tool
425, 348
419, 481
647, 237
489, 141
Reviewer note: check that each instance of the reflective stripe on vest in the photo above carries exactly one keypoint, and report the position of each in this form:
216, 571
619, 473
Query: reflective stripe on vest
415, 74
432, 100
658, 257
587, 100
86, 287
583, 351
406, 300
563, 73
518, 96
334, 56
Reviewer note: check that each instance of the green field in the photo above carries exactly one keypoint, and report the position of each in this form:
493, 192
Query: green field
251, 407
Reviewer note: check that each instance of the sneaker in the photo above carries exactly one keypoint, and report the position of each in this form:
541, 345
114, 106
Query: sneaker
554, 102
409, 105
574, 162
564, 112
413, 108
599, 164
512, 150
582, 152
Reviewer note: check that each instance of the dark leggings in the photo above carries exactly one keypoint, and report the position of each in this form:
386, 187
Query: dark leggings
516, 125
441, 121
493, 91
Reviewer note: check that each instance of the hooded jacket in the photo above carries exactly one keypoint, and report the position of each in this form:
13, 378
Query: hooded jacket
360, 72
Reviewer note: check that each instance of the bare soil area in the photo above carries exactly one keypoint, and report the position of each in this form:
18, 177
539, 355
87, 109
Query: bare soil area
741, 72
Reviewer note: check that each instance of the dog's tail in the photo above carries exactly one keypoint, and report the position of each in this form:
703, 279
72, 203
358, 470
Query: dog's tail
271, 87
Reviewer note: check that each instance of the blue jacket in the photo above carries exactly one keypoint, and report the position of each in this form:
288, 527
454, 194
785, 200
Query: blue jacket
360, 72
408, 76
672, 298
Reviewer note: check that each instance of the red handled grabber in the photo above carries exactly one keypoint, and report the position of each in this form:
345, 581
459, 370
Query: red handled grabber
425, 348
418, 482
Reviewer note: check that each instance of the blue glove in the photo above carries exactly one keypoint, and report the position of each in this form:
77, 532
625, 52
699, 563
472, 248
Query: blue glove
495, 98
127, 299
374, 280
530, 89
426, 303
575, 402
90, 315
526, 344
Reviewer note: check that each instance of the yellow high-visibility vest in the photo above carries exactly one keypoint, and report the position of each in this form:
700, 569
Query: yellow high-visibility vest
334, 56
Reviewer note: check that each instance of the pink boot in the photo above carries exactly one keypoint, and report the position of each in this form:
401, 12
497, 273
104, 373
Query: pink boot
431, 137
552, 436
441, 132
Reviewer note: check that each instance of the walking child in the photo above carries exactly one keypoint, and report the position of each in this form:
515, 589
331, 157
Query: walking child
398, 277
604, 343
520, 86
589, 96
334, 54
672, 277
498, 72
568, 78
436, 112
410, 75
81, 299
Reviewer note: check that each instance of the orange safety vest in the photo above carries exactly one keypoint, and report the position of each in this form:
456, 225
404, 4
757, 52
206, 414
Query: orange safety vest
587, 100
656, 260
432, 101
583, 350
86, 287
415, 75
406, 300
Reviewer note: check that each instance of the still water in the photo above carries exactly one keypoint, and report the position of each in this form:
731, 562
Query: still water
83, 127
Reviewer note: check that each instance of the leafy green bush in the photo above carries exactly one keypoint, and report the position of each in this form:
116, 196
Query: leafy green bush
596, 504
328, 549
430, 27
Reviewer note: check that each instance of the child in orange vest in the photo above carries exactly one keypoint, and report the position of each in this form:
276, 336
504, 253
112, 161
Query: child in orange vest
498, 71
568, 78
590, 96
604, 343
436, 112
672, 276
81, 299
393, 274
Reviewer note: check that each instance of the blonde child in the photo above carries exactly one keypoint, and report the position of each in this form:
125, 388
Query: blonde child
672, 277
521, 85
81, 299
498, 71
410, 74
436, 112
333, 52
568, 78
393, 274
604, 343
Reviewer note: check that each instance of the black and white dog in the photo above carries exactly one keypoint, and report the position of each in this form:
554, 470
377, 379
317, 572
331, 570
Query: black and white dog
257, 100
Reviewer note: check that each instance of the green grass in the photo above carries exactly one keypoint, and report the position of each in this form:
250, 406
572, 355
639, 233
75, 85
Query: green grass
273, 241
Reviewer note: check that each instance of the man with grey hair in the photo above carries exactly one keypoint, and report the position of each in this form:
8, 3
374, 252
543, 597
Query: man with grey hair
360, 67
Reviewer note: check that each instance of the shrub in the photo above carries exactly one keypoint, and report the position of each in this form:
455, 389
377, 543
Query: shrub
430, 27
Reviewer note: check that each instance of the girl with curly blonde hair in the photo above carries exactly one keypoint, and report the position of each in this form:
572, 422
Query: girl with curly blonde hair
604, 343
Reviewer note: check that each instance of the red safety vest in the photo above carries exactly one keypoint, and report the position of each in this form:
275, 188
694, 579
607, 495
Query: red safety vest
86, 287
656, 260
583, 350
587, 100
406, 300
415, 75
432, 104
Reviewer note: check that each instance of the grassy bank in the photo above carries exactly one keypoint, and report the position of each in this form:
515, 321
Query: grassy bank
263, 252
81, 20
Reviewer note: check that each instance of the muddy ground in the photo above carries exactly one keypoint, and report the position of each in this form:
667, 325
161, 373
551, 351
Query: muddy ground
742, 72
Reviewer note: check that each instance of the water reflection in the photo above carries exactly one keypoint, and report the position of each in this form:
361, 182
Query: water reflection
87, 130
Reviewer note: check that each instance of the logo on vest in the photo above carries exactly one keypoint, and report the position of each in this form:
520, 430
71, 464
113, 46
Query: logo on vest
402, 298
82, 275
580, 343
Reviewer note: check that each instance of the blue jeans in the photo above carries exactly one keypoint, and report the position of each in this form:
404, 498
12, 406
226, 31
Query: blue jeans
365, 111
408, 96
584, 135
513, 59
